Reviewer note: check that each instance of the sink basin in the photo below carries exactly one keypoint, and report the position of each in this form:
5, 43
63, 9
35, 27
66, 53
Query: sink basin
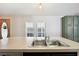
57, 43
37, 43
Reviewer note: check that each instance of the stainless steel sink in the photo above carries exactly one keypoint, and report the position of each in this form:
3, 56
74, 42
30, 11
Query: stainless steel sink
57, 43
49, 43
39, 43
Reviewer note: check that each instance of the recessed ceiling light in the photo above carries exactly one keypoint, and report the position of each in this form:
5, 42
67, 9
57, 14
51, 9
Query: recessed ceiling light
40, 5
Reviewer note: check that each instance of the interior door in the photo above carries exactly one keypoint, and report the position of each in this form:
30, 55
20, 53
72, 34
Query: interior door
8, 26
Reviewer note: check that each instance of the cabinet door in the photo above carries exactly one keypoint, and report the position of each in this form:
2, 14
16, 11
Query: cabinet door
64, 27
70, 27
78, 30
75, 28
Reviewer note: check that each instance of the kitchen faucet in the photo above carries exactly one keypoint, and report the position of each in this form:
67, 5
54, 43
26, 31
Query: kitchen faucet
46, 39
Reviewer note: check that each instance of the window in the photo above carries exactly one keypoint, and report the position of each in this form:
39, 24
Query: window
40, 30
29, 29
35, 31
30, 32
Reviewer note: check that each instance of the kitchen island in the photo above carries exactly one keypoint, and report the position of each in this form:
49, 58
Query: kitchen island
19, 44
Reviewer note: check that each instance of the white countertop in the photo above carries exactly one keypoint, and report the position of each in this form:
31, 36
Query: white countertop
19, 44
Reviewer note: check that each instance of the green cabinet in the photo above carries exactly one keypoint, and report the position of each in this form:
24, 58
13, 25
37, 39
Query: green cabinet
63, 27
70, 27
76, 28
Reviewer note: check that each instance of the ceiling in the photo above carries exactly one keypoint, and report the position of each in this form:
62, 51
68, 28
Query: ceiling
49, 9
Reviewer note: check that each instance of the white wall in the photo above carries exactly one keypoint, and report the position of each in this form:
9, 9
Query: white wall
18, 26
53, 24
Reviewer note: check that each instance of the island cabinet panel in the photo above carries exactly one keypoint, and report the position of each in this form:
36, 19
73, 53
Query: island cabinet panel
70, 27
11, 54
50, 54
8, 26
